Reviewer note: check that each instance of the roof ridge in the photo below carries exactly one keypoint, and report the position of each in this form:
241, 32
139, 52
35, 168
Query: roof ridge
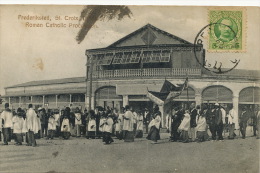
144, 27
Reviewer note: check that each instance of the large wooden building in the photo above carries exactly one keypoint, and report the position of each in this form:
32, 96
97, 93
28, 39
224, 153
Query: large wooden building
121, 74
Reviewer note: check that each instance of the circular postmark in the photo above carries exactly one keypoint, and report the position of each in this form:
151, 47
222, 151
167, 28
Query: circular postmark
225, 31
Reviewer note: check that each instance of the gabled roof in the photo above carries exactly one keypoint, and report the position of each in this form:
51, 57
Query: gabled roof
144, 31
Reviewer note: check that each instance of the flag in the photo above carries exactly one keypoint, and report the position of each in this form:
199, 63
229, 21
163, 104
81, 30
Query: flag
168, 86
157, 97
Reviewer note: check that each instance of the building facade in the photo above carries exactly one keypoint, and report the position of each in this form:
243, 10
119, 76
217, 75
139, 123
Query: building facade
121, 74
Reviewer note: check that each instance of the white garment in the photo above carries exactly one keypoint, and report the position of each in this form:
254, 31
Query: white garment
51, 124
78, 119
119, 124
135, 117
32, 122
17, 124
201, 124
57, 119
65, 125
155, 122
102, 122
128, 123
223, 115
233, 118
92, 125
7, 117
168, 122
108, 125
185, 124
140, 120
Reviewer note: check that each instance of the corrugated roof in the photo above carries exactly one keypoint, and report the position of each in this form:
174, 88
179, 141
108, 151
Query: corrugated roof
52, 81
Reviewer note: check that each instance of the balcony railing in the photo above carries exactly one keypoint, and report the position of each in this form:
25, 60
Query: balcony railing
150, 72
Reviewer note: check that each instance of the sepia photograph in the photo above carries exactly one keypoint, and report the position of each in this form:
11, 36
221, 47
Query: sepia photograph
129, 88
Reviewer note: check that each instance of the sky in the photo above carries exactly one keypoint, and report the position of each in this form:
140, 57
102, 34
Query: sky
42, 53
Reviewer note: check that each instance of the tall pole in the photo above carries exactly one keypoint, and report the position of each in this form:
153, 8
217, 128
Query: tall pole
87, 69
90, 82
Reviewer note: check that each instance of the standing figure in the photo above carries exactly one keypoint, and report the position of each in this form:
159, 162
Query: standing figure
147, 118
119, 126
139, 127
18, 122
212, 122
65, 125
102, 122
233, 122
185, 126
51, 126
254, 119
97, 118
6, 119
219, 121
57, 117
44, 122
91, 125
201, 128
154, 133
134, 120
32, 125
78, 121
128, 125
258, 124
193, 115
244, 117
108, 125
176, 118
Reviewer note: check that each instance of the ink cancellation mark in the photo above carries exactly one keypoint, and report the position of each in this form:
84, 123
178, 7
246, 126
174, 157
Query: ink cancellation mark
228, 33
216, 66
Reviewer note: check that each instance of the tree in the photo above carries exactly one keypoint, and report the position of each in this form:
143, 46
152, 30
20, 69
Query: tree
91, 14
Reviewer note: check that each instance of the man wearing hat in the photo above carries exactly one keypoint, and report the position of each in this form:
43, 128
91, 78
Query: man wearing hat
147, 118
244, 117
6, 119
219, 121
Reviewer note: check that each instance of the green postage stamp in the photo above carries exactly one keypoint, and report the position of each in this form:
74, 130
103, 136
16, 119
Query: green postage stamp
227, 30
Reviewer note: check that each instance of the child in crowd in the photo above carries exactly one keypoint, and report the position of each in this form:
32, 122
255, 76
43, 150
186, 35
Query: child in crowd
108, 127
184, 127
51, 126
65, 127
18, 122
91, 125
201, 128
102, 122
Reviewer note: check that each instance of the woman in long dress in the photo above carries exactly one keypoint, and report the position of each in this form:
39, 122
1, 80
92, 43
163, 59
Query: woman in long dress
154, 126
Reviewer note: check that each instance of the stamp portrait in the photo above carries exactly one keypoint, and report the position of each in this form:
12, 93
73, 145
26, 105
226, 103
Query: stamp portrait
228, 30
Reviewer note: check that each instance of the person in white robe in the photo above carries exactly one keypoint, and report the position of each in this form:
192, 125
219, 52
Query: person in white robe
128, 125
154, 126
78, 121
139, 127
201, 128
91, 125
185, 126
65, 127
18, 123
6, 118
51, 126
108, 127
33, 125
232, 122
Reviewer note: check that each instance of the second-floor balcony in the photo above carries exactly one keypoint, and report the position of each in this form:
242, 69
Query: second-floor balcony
147, 72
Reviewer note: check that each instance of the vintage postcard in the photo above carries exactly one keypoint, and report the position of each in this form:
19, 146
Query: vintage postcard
124, 88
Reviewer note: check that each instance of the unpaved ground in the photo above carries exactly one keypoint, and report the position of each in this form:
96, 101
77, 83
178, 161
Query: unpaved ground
82, 155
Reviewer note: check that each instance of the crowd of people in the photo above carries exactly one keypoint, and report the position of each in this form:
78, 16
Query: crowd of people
185, 123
